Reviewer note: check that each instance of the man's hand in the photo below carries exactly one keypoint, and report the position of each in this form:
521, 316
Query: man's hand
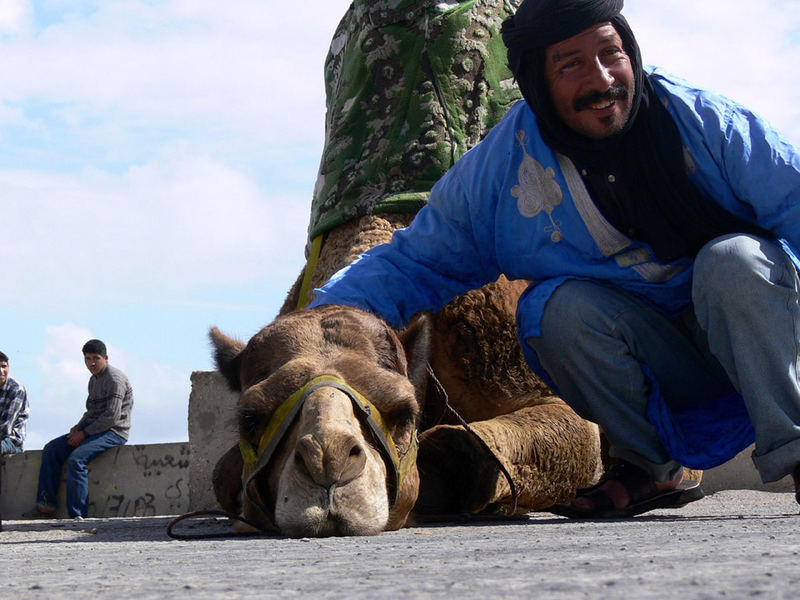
76, 437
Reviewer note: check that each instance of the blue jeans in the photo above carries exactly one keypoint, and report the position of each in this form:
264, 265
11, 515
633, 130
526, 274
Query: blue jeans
56, 453
9, 446
743, 334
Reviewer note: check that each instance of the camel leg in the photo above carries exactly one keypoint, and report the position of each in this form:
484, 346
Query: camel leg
548, 450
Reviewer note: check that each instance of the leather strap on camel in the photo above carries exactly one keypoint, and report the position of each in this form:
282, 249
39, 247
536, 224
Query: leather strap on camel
304, 297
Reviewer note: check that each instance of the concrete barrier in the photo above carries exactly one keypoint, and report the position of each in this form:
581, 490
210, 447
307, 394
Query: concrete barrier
212, 431
168, 479
126, 481
740, 473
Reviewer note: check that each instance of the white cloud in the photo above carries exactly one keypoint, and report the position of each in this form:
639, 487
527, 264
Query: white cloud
161, 399
63, 389
746, 50
250, 66
61, 361
167, 226
142, 129
13, 16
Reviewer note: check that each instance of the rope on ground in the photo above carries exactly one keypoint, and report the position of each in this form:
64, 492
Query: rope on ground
205, 536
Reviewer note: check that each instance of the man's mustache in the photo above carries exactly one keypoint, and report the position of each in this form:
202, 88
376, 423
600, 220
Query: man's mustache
617, 91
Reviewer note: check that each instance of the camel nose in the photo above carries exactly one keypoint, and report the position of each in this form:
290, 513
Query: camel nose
337, 460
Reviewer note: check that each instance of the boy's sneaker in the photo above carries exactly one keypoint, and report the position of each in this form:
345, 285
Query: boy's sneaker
45, 509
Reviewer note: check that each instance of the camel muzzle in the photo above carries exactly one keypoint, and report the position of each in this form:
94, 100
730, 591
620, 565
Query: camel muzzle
283, 418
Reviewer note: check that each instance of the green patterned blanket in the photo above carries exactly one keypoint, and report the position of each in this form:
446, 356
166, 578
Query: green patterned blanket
411, 85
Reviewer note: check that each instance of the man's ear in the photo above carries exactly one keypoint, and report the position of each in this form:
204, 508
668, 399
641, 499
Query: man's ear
228, 357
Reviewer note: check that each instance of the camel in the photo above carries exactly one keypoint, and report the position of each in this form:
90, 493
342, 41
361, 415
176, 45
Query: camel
328, 475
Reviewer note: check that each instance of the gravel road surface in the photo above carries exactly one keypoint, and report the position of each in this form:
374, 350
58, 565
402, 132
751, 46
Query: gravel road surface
732, 544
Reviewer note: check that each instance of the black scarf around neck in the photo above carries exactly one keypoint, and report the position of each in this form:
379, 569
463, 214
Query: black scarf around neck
667, 210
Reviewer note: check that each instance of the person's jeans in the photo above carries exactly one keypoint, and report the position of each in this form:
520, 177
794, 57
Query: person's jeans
9, 446
742, 335
58, 451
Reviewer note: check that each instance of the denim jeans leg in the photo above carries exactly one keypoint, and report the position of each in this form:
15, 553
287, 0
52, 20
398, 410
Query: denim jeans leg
745, 292
595, 342
78, 469
53, 456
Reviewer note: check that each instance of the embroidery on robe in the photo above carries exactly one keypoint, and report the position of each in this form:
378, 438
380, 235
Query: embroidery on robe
537, 190
608, 238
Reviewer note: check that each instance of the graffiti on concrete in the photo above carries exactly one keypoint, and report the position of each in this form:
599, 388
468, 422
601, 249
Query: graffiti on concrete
170, 500
118, 505
153, 465
156, 482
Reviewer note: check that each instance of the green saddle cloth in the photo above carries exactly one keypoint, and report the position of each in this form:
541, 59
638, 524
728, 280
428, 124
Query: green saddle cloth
411, 85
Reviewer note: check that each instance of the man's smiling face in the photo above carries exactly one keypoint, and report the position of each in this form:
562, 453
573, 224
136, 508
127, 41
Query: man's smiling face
591, 81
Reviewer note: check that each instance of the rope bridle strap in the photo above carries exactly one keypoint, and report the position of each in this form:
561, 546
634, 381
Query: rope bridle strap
257, 459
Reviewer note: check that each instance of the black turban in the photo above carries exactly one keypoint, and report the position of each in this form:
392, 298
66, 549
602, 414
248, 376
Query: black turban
538, 24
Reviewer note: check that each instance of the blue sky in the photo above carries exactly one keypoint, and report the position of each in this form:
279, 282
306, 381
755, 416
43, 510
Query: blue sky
157, 160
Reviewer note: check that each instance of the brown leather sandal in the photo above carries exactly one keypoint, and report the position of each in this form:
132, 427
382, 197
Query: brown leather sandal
645, 496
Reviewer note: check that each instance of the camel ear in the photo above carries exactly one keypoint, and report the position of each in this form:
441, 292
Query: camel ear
228, 357
416, 340
227, 480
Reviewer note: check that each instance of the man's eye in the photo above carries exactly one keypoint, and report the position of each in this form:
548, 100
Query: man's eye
570, 66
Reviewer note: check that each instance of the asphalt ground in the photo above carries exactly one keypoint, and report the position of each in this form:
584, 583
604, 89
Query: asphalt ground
732, 544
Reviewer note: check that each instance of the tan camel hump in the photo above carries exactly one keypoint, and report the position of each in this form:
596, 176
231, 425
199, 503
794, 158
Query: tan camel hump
343, 244
476, 353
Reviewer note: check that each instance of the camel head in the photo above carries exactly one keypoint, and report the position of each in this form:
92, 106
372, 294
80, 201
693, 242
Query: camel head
330, 400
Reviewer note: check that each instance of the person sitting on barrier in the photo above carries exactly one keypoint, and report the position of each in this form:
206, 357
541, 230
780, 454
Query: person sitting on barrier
14, 410
660, 225
105, 424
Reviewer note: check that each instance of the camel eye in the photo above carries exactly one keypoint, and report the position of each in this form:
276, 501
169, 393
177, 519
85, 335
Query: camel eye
402, 421
250, 419
402, 416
